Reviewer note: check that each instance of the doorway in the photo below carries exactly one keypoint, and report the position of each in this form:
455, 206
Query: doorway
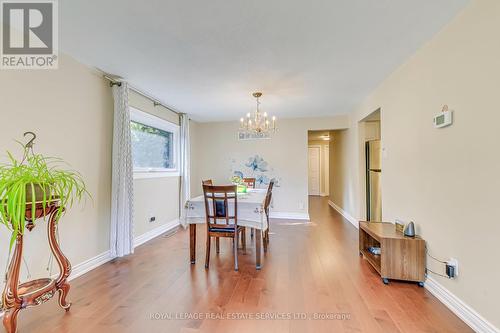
373, 171
318, 163
371, 127
314, 160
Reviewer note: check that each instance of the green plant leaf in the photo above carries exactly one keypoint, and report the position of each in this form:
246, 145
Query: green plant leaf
12, 239
36, 172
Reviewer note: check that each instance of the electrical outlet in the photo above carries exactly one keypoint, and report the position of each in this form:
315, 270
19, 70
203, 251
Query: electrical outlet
152, 219
301, 205
453, 263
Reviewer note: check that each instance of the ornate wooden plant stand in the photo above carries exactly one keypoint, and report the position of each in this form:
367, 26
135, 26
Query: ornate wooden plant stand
19, 296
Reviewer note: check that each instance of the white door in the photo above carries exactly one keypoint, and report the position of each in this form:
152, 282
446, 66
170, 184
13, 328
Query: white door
314, 170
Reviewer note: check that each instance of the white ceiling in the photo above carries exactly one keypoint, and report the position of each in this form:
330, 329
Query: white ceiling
205, 58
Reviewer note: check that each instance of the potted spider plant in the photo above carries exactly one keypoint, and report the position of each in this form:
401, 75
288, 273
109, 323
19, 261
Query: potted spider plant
35, 181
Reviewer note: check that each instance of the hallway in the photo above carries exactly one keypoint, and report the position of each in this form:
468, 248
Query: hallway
311, 274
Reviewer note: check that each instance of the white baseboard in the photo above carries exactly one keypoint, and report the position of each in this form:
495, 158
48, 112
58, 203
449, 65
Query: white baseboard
84, 267
89, 264
458, 307
452, 302
289, 215
345, 214
94, 262
139, 240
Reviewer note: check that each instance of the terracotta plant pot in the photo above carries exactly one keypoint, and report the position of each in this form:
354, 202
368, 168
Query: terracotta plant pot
39, 192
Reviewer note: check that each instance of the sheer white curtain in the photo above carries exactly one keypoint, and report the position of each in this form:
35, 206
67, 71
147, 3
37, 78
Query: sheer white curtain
122, 191
184, 166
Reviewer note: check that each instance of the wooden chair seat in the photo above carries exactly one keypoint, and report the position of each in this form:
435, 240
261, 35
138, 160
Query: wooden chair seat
229, 229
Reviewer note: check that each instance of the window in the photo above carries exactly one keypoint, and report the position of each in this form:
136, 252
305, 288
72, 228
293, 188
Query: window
155, 145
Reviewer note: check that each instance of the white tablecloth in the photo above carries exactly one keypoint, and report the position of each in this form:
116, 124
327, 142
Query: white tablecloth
250, 209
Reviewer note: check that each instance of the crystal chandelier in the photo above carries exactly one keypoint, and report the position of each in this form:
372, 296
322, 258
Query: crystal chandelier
259, 122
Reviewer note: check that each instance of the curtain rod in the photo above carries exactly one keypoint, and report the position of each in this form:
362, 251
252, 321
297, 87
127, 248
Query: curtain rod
115, 82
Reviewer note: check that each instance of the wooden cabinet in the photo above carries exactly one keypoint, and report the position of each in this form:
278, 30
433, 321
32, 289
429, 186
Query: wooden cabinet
400, 258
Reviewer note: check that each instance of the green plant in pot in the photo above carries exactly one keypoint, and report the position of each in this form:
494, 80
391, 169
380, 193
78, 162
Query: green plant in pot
35, 180
238, 181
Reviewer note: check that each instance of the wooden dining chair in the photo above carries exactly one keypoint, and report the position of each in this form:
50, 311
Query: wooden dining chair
249, 182
217, 241
220, 223
267, 205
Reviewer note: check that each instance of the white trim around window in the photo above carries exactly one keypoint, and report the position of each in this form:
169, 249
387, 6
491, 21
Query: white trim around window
154, 121
151, 174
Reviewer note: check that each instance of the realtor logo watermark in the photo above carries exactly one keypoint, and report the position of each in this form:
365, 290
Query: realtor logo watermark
29, 34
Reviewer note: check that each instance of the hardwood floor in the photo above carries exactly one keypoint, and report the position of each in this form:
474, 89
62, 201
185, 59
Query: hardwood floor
311, 268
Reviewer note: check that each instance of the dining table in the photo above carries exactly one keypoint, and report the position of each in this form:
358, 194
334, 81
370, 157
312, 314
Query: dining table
251, 214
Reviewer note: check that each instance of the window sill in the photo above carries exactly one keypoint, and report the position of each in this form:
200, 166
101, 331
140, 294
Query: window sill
150, 175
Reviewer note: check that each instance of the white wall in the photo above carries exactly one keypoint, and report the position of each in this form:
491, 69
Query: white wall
342, 174
218, 149
71, 111
195, 149
158, 197
446, 180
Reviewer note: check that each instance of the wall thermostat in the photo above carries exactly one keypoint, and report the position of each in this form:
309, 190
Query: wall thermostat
443, 119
